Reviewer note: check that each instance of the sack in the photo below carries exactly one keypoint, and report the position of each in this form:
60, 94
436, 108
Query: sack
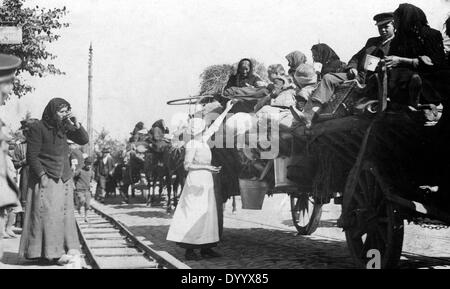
286, 98
249, 97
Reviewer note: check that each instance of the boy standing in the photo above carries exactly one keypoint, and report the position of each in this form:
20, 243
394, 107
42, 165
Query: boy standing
83, 178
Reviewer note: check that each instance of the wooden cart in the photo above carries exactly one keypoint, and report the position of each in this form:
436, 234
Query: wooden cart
379, 164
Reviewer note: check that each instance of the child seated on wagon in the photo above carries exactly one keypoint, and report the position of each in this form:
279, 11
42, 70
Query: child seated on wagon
289, 99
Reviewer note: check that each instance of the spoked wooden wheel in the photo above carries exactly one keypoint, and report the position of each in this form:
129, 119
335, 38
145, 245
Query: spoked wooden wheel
373, 226
305, 213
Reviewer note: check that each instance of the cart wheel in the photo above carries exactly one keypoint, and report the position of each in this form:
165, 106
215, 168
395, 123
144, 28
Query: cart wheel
371, 221
305, 213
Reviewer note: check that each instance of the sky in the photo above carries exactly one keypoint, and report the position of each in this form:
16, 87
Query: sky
147, 52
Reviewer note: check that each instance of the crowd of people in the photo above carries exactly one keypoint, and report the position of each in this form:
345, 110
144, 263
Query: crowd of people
53, 172
409, 51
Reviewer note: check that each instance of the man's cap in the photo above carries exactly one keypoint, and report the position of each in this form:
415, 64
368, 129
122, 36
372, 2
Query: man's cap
88, 161
8, 66
383, 18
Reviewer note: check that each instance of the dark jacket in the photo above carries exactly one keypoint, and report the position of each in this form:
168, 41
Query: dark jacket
375, 47
104, 169
435, 78
77, 156
250, 80
48, 153
430, 44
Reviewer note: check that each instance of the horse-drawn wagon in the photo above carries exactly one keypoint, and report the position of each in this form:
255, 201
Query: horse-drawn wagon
377, 162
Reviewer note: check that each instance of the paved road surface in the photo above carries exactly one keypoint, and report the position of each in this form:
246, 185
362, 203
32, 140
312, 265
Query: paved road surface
267, 239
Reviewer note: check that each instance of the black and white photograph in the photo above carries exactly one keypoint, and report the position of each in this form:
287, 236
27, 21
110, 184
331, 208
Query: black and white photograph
225, 135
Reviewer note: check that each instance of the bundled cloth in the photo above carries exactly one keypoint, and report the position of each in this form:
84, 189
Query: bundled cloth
250, 97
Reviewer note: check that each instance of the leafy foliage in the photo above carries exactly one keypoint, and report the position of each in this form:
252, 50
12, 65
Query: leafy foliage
102, 139
38, 29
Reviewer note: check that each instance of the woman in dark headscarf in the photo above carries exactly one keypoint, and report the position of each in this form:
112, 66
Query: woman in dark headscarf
330, 61
245, 76
418, 72
49, 230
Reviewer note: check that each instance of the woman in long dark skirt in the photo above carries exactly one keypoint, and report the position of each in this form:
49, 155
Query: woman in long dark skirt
49, 230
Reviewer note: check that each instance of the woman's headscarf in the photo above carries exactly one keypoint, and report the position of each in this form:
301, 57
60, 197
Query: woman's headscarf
240, 64
295, 59
410, 20
49, 116
324, 53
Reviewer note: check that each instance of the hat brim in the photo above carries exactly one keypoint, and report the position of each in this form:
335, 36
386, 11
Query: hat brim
383, 22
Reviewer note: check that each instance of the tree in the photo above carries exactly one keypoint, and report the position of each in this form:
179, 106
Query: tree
17, 134
215, 77
38, 29
103, 139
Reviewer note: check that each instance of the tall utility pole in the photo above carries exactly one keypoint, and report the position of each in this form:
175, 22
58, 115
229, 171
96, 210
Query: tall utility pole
89, 116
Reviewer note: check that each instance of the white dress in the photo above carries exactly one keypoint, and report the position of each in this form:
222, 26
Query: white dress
195, 218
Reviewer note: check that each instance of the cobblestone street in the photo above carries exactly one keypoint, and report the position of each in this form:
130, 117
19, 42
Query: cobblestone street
267, 239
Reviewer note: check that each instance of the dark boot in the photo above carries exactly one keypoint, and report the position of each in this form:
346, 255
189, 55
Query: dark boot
209, 253
306, 116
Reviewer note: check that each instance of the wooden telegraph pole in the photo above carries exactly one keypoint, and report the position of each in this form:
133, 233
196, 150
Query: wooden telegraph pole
89, 116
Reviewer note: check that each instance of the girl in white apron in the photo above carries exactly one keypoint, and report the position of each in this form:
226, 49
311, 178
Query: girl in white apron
194, 224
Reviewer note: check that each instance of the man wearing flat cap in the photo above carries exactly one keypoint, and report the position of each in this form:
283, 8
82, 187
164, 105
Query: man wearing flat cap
8, 189
375, 46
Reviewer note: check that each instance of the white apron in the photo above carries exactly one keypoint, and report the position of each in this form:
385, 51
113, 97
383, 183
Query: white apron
195, 219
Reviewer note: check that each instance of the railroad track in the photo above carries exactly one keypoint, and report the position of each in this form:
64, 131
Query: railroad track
108, 244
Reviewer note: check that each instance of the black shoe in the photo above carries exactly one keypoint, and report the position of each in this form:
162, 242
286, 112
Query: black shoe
209, 253
191, 256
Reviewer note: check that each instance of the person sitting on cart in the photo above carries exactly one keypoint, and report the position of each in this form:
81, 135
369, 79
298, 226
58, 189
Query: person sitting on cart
325, 55
245, 76
248, 87
376, 46
305, 79
295, 59
418, 72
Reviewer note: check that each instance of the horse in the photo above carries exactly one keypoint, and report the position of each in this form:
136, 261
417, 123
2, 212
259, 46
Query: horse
164, 167
128, 172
